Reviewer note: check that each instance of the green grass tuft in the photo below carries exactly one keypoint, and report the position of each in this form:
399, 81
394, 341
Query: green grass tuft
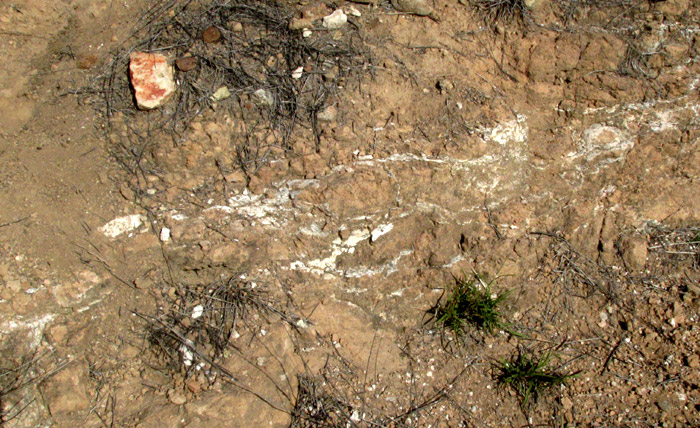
471, 302
529, 376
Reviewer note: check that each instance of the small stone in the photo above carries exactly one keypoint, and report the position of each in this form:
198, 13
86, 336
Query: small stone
186, 322
193, 385
672, 8
123, 224
235, 26
634, 252
172, 293
65, 391
335, 20
126, 192
143, 283
300, 23
664, 404
566, 403
263, 97
186, 63
328, 114
352, 10
211, 35
57, 333
306, 33
444, 86
165, 234
416, 7
86, 61
221, 94
235, 177
176, 397
297, 73
330, 74
197, 312
152, 79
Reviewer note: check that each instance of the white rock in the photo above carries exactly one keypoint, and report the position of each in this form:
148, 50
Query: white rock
122, 225
263, 97
353, 11
296, 74
335, 20
187, 354
165, 234
306, 33
152, 79
197, 312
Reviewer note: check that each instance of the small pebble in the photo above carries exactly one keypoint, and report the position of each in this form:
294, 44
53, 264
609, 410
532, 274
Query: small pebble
186, 63
221, 94
211, 35
353, 11
165, 234
335, 20
197, 312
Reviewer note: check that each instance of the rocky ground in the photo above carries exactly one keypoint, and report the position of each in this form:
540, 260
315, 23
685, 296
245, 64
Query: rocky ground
275, 258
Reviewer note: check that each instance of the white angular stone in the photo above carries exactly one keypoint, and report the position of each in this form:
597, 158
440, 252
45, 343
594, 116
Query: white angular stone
122, 225
335, 20
165, 234
263, 97
152, 79
197, 312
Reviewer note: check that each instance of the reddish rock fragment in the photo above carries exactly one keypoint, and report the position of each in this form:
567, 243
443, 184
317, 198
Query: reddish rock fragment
186, 63
152, 79
211, 35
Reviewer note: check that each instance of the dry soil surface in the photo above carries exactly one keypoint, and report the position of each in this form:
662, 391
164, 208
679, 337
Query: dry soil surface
281, 258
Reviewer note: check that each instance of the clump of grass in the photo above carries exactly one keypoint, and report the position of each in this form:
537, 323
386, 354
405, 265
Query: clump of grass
201, 320
529, 375
316, 407
471, 302
502, 12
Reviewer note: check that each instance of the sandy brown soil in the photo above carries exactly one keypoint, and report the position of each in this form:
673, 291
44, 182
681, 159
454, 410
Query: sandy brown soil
559, 156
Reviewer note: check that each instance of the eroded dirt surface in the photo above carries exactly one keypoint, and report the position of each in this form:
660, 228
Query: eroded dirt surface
561, 158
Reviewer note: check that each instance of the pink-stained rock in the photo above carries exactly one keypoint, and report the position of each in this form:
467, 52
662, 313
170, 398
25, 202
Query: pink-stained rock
152, 79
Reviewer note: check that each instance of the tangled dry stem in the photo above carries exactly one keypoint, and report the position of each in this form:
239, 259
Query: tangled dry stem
260, 54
